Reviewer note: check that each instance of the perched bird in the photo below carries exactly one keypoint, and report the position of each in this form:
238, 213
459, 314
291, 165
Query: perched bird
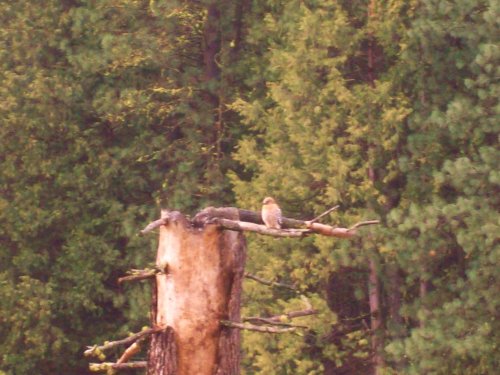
271, 213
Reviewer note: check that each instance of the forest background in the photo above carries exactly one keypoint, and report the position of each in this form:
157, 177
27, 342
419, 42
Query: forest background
389, 108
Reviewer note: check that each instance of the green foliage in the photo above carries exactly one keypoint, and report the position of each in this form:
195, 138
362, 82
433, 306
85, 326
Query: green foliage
313, 136
454, 225
104, 118
409, 137
388, 108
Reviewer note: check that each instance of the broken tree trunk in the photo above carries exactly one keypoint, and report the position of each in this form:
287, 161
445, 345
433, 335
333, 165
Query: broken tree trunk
200, 287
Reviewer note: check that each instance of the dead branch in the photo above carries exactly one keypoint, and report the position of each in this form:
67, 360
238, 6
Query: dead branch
266, 321
97, 350
131, 351
317, 228
211, 214
269, 282
153, 225
241, 226
294, 314
231, 213
323, 214
362, 223
253, 327
281, 319
106, 366
135, 275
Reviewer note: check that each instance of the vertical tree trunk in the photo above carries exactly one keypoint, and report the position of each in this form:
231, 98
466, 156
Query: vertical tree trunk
201, 285
395, 321
212, 49
373, 278
376, 314
212, 41
395, 297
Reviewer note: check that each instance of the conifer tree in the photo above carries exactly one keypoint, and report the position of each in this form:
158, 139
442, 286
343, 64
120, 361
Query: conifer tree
325, 133
104, 118
447, 222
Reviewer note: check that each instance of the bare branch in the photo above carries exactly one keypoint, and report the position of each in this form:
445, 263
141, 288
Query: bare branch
313, 228
296, 314
96, 350
266, 321
242, 226
98, 367
131, 351
363, 223
269, 282
323, 214
153, 225
262, 324
253, 327
281, 319
232, 218
134, 275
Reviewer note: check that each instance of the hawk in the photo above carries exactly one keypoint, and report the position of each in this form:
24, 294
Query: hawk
271, 213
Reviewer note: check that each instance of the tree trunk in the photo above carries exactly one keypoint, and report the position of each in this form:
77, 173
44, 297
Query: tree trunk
201, 285
376, 314
212, 78
395, 299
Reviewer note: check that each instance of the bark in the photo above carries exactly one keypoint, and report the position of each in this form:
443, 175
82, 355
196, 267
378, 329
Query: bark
290, 227
212, 41
201, 287
395, 298
373, 278
376, 316
212, 79
207, 214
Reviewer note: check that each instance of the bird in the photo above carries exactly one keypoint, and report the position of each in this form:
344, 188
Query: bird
271, 213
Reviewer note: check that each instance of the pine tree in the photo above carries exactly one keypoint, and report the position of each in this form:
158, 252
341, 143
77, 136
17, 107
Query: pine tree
447, 219
324, 131
104, 118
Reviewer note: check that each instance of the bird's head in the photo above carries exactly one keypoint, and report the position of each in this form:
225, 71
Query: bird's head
268, 200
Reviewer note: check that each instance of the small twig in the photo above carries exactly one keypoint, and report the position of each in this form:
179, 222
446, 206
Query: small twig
253, 327
96, 350
269, 282
362, 223
356, 317
281, 319
131, 351
296, 314
153, 225
260, 321
323, 214
134, 275
97, 367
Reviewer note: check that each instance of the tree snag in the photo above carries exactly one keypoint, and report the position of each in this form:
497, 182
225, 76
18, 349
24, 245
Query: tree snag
201, 288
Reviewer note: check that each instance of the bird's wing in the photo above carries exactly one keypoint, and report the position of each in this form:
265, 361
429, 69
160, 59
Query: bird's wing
280, 217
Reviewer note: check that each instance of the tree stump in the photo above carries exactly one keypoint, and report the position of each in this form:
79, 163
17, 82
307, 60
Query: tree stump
201, 283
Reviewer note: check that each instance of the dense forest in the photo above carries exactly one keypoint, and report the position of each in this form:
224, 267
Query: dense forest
112, 109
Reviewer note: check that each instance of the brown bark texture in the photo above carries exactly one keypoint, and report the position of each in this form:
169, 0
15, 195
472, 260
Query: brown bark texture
201, 286
376, 314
